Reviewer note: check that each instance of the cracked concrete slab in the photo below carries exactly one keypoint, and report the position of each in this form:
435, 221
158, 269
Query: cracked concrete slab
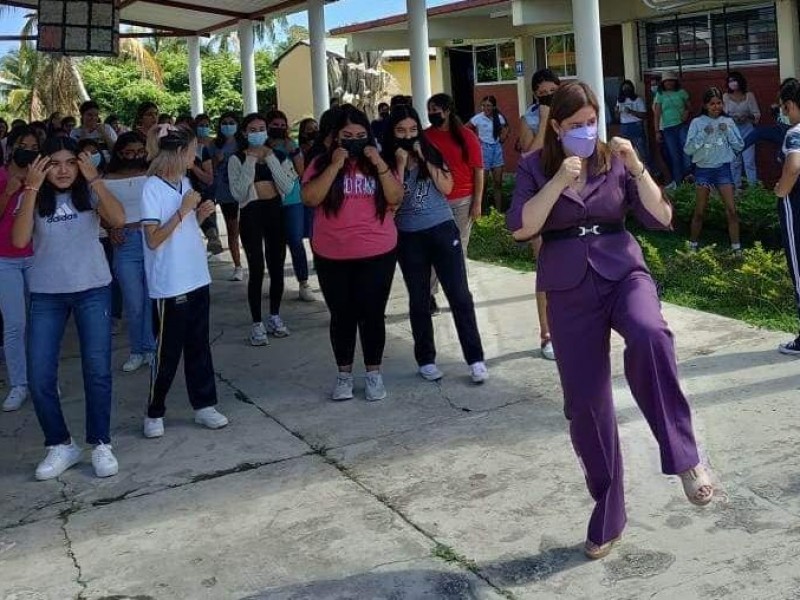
303, 498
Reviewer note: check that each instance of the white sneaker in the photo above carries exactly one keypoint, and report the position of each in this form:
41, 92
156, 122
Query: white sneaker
134, 363
238, 274
547, 350
344, 387
153, 428
210, 417
104, 462
375, 389
430, 372
258, 335
16, 398
306, 295
276, 327
59, 459
478, 372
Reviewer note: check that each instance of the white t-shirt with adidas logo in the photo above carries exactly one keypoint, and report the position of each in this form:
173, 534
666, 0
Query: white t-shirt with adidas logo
67, 254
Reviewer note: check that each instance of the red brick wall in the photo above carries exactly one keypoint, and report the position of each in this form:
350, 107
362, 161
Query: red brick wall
506, 94
763, 81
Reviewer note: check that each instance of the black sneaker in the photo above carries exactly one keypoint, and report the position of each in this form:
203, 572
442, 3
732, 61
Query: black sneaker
435, 310
792, 347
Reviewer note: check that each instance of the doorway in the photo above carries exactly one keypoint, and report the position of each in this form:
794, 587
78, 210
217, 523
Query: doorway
462, 80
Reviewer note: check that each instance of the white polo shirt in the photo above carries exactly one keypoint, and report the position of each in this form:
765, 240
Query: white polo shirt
179, 265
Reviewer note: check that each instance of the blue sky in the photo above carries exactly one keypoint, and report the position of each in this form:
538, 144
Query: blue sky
343, 12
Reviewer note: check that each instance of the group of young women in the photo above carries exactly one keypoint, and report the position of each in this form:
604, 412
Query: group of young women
407, 198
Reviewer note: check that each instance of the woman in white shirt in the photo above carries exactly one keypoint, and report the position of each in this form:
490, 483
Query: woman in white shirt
178, 279
127, 173
742, 107
492, 129
632, 112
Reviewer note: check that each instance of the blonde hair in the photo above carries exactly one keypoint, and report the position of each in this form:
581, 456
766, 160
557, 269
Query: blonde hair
166, 151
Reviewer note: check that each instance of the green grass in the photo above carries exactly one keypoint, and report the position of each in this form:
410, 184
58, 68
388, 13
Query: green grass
755, 289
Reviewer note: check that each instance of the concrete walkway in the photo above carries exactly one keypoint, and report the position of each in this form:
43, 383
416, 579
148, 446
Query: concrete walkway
443, 491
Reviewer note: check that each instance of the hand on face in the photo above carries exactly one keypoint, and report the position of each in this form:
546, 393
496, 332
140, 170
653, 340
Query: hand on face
86, 166
339, 157
37, 172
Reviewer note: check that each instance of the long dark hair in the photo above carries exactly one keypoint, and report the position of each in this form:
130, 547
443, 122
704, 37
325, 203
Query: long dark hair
454, 124
46, 199
389, 143
348, 114
622, 95
497, 116
569, 99
738, 78
14, 135
220, 140
327, 121
129, 137
301, 128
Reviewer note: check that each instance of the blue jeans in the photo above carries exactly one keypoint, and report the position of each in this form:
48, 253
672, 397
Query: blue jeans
678, 162
746, 160
13, 307
116, 293
129, 269
635, 133
295, 221
48, 319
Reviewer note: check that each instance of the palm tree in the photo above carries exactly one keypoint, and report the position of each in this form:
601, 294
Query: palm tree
266, 30
37, 84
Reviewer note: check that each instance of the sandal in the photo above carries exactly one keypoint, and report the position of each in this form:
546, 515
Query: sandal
697, 486
595, 552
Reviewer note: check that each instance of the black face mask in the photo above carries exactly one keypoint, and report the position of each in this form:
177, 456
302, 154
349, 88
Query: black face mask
22, 157
276, 133
406, 144
545, 100
436, 119
134, 164
355, 146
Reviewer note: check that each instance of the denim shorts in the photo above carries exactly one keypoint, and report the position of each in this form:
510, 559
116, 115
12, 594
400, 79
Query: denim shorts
492, 155
713, 176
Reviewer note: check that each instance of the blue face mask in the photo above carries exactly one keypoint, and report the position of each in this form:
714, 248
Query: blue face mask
256, 138
204, 131
229, 130
96, 159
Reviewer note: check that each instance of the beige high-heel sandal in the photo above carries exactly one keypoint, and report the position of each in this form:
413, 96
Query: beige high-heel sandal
595, 552
697, 486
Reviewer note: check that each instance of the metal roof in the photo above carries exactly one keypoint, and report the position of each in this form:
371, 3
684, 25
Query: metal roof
191, 17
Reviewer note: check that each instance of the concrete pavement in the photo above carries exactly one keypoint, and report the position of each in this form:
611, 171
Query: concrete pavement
443, 491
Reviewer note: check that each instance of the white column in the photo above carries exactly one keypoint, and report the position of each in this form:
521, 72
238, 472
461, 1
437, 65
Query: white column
589, 52
319, 56
630, 54
788, 39
195, 76
420, 66
523, 83
247, 58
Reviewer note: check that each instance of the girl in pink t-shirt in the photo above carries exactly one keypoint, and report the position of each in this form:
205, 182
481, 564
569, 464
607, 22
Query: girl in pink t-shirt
23, 148
353, 192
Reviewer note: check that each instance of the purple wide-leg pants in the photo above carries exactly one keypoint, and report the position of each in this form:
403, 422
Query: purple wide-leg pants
581, 320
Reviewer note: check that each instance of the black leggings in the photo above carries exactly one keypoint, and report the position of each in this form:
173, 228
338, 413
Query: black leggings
263, 235
356, 292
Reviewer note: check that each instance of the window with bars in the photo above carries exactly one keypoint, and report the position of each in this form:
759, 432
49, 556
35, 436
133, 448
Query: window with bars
495, 63
710, 39
557, 53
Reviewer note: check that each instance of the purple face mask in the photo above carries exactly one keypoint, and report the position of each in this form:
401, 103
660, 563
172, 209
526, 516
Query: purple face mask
581, 141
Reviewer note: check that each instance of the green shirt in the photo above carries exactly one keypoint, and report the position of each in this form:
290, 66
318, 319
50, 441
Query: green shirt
673, 103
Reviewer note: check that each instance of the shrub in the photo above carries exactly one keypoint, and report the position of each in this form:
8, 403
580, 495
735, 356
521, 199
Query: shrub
490, 241
756, 206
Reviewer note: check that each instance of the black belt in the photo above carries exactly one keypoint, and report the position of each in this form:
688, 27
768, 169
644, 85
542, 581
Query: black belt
582, 231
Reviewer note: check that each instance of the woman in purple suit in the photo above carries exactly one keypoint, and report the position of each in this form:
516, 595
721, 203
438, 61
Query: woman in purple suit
576, 192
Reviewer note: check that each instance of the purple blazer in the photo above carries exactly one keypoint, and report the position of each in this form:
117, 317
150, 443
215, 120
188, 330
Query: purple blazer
606, 198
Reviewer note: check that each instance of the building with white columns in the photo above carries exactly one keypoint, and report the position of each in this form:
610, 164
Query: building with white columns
492, 47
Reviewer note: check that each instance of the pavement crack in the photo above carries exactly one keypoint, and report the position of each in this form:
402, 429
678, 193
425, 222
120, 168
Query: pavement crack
63, 517
347, 473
